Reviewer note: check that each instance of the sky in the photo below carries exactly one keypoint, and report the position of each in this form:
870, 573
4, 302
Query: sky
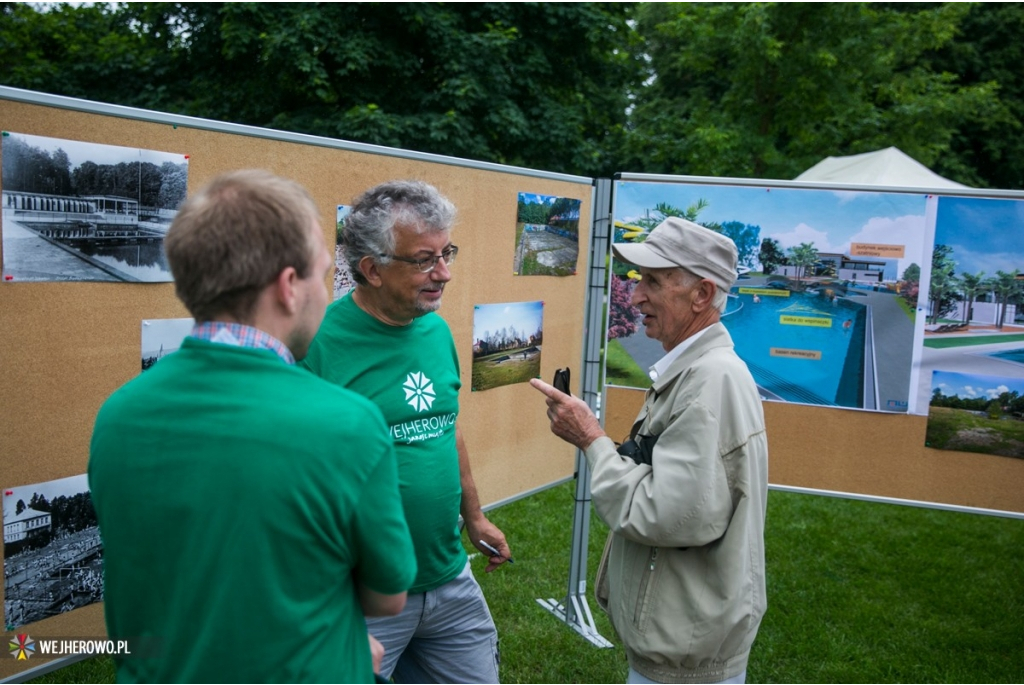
831, 219
535, 199
985, 234
79, 152
969, 385
525, 316
166, 332
50, 490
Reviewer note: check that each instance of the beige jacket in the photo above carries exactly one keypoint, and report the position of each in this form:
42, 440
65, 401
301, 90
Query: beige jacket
682, 575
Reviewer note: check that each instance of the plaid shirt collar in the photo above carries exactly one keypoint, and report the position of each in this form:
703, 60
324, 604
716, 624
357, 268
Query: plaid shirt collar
241, 335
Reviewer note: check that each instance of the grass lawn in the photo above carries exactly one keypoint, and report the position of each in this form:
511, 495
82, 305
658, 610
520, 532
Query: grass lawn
966, 431
965, 340
857, 592
621, 369
490, 374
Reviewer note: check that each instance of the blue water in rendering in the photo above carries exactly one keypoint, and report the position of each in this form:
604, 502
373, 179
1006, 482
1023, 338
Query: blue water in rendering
1015, 355
836, 379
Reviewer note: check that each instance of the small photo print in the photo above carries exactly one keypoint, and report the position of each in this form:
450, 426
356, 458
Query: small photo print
974, 413
75, 211
547, 235
53, 557
343, 280
160, 337
507, 341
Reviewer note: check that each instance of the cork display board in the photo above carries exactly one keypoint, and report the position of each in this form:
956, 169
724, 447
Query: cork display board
865, 453
65, 346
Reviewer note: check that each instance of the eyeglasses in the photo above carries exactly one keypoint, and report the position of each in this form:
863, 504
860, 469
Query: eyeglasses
428, 264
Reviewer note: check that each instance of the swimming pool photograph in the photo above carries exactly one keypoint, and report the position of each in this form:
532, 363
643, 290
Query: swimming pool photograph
824, 309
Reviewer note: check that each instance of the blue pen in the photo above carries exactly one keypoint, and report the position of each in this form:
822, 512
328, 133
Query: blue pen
495, 552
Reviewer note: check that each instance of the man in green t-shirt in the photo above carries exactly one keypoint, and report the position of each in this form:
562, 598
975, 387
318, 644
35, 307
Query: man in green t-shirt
385, 341
249, 512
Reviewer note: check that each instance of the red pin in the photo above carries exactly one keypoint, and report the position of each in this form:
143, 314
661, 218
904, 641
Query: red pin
8, 492
8, 278
186, 156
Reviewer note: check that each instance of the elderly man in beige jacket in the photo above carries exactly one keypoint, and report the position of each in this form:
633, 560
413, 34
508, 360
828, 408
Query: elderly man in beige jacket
682, 576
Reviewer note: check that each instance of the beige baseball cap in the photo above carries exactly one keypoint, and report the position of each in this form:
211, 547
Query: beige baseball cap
678, 242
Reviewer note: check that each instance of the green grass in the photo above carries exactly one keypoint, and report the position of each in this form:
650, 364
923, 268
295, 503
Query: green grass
907, 309
621, 369
857, 592
959, 429
487, 374
965, 340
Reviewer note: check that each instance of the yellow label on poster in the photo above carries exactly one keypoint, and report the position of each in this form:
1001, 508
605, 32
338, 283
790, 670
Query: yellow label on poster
770, 292
795, 354
877, 250
814, 321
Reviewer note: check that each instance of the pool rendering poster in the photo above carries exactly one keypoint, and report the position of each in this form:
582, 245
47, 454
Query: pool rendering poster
974, 324
976, 413
507, 339
547, 235
75, 211
824, 309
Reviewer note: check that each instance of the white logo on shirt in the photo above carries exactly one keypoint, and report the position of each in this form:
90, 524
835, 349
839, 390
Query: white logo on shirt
419, 391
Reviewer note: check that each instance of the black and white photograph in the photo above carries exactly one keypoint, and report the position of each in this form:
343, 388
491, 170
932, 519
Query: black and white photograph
53, 557
75, 211
160, 337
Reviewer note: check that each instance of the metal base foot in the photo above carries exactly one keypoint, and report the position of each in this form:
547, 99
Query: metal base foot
582, 620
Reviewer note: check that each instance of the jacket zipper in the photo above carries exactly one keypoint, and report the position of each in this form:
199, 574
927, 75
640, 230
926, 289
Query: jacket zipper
643, 587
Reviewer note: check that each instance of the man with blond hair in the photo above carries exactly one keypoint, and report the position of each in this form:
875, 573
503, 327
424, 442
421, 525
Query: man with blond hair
249, 511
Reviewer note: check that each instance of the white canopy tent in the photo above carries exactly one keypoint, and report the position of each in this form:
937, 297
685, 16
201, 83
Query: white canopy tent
888, 167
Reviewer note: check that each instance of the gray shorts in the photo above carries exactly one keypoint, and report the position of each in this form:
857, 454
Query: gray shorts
445, 635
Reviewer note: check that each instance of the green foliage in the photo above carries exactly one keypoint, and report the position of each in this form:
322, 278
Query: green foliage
912, 273
988, 51
534, 84
983, 431
769, 89
1007, 289
621, 369
943, 284
802, 256
771, 256
747, 238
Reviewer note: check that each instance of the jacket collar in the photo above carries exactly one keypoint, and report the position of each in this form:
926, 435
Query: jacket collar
714, 336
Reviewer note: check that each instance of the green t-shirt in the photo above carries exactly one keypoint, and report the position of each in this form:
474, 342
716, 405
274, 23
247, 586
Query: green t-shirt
412, 374
240, 500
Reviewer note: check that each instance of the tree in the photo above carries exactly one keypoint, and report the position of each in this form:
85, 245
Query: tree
803, 256
746, 236
971, 285
942, 286
544, 85
770, 256
1007, 288
911, 273
768, 89
988, 49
